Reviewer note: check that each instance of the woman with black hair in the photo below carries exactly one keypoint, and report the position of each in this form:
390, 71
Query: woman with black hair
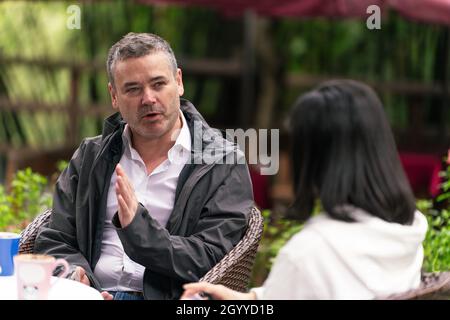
367, 243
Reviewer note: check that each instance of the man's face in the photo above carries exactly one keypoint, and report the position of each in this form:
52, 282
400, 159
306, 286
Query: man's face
147, 94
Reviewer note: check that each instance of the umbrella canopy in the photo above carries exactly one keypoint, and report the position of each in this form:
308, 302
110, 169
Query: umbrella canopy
431, 11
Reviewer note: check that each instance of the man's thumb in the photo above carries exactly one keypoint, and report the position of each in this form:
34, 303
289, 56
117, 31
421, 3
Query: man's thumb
81, 272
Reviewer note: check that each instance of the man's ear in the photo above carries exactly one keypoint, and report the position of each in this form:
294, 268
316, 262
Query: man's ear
179, 79
113, 94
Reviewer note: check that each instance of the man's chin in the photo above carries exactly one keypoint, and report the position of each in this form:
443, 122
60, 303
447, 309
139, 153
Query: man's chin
153, 129
154, 133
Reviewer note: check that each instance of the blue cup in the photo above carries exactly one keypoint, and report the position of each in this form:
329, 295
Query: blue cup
9, 247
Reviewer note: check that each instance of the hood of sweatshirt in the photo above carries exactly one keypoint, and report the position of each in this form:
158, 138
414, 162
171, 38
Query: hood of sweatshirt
383, 256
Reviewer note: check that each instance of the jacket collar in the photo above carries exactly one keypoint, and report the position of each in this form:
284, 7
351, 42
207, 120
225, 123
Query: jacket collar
115, 121
112, 124
212, 140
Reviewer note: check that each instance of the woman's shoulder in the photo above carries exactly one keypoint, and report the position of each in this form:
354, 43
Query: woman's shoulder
322, 234
304, 242
315, 237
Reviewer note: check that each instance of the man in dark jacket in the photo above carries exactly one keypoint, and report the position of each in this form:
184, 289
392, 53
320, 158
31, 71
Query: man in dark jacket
154, 202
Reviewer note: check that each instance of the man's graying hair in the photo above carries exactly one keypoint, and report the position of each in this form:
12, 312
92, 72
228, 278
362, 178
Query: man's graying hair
135, 45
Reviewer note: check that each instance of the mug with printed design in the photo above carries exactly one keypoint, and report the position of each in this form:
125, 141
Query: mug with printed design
34, 275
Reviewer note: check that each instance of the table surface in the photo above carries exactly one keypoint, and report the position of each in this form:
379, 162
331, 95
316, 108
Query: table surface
62, 289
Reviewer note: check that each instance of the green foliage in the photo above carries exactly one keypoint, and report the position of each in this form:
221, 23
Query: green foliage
445, 195
27, 197
6, 215
437, 241
61, 165
401, 50
37, 30
278, 233
275, 235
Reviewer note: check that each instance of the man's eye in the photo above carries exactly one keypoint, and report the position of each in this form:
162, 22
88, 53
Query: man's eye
134, 89
158, 84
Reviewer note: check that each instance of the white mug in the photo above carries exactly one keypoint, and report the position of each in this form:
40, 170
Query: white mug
34, 272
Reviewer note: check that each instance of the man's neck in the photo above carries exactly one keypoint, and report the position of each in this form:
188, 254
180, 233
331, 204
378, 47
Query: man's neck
155, 150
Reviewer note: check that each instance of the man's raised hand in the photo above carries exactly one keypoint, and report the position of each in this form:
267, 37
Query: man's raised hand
126, 198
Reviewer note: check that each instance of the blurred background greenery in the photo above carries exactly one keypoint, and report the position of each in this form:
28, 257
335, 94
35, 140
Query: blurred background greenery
41, 58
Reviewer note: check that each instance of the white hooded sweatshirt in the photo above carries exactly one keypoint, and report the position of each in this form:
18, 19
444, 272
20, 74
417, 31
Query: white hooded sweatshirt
332, 259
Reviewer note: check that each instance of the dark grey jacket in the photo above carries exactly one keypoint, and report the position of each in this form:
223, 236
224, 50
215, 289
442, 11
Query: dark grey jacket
210, 214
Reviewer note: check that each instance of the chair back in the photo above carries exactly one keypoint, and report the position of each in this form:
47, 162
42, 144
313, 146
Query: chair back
433, 286
28, 235
235, 269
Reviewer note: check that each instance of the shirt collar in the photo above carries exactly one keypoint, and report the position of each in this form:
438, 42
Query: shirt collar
126, 138
182, 147
183, 141
184, 138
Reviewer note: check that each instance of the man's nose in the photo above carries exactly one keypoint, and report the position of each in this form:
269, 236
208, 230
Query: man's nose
149, 97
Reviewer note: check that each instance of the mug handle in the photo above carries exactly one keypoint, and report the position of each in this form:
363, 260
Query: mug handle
57, 263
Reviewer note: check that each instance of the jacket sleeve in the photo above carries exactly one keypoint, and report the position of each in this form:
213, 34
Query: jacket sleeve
59, 237
221, 225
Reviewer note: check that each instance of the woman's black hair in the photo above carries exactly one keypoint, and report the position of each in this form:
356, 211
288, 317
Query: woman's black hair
344, 153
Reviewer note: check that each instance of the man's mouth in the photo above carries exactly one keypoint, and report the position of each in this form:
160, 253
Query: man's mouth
152, 116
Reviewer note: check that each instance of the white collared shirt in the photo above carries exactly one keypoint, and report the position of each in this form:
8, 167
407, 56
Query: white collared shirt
156, 191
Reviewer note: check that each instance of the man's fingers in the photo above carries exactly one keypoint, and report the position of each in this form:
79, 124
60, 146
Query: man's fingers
85, 280
119, 187
218, 292
82, 276
189, 294
123, 206
125, 184
194, 288
119, 170
106, 295
126, 199
125, 190
81, 271
128, 188
121, 173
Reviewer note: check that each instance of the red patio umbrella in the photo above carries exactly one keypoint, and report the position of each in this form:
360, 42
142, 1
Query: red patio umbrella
431, 11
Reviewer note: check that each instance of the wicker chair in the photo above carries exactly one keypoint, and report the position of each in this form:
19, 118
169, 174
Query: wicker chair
28, 235
434, 286
233, 271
